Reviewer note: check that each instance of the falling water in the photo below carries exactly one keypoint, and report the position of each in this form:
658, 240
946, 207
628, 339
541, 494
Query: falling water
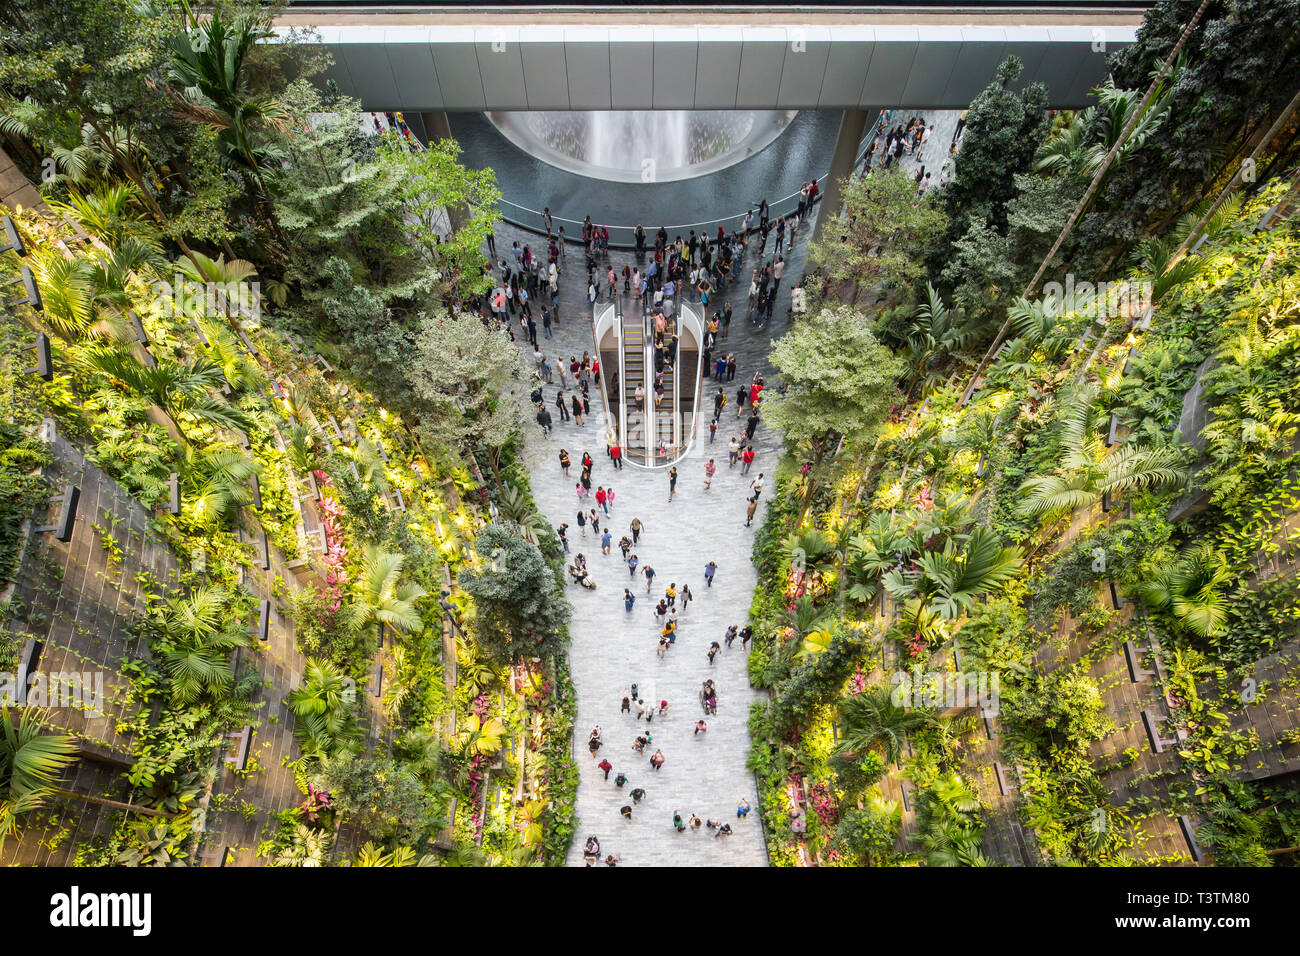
622, 140
625, 145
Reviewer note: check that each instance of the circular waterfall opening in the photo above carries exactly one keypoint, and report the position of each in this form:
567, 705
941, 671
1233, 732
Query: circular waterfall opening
651, 146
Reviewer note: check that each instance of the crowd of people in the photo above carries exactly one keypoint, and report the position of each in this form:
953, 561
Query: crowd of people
651, 713
662, 271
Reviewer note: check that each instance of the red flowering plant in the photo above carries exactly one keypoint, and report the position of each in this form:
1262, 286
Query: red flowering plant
317, 802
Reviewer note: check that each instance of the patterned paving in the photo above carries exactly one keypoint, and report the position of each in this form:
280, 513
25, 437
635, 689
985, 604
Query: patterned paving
612, 649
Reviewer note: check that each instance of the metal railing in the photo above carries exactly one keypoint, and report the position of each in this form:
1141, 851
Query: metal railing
624, 236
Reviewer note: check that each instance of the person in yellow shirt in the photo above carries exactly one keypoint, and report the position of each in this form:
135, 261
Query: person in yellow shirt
671, 594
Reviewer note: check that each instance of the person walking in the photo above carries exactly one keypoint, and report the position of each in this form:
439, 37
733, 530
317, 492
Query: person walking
606, 766
657, 759
741, 395
649, 573
577, 410
602, 498
616, 454
733, 452
714, 649
747, 456
635, 528
605, 541
710, 570
730, 635
757, 485
672, 482
686, 596
564, 462
749, 512
582, 522
631, 565
629, 599
709, 469
746, 633
544, 419
563, 532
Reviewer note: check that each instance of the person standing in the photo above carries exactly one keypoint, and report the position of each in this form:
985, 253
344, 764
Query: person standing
731, 367
710, 570
577, 410
560, 404
672, 482
746, 633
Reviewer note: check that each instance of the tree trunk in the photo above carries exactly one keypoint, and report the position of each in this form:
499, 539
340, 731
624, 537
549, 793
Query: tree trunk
112, 804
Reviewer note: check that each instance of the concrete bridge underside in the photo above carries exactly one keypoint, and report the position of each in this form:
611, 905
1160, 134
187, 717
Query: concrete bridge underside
425, 59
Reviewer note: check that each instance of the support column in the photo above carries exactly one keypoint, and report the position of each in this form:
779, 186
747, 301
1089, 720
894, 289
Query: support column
436, 126
852, 125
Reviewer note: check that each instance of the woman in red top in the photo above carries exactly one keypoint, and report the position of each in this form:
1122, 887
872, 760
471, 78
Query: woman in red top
601, 497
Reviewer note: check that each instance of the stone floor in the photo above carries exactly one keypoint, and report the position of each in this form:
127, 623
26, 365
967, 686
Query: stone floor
612, 649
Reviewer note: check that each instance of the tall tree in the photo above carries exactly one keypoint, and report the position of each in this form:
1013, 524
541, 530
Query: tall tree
467, 377
1004, 128
521, 611
839, 381
883, 235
